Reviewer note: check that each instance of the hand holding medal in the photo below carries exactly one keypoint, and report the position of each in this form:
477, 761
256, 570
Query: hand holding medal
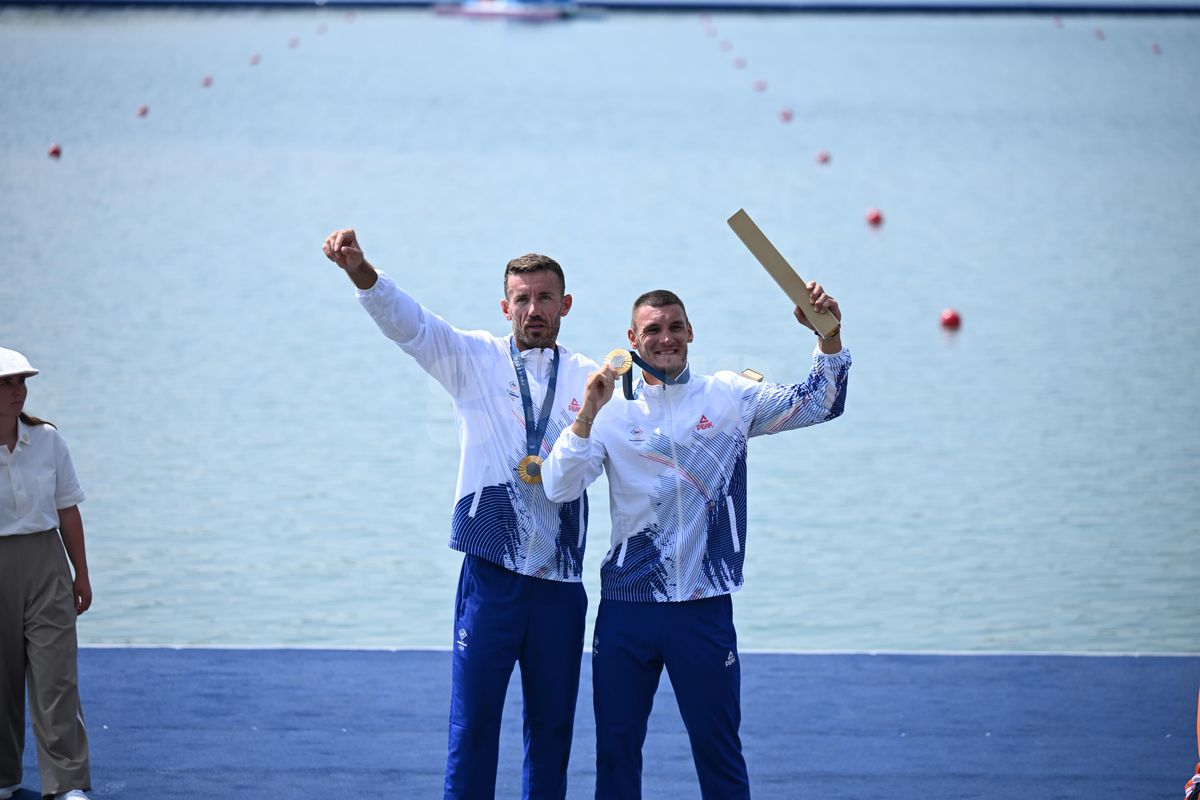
597, 392
620, 362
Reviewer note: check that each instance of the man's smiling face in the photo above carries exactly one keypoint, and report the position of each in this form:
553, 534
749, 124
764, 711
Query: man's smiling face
661, 336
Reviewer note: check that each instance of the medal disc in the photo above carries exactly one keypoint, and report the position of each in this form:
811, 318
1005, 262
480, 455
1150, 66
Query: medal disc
530, 469
619, 360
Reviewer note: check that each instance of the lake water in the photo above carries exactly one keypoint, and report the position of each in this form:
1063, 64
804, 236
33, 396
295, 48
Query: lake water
264, 468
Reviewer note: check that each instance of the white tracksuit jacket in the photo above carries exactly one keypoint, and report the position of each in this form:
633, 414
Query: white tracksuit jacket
497, 516
676, 462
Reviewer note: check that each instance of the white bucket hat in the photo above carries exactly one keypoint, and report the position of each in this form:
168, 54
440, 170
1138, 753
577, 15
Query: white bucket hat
13, 363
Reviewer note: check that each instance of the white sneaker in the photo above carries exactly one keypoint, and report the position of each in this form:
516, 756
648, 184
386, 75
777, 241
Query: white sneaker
9, 792
74, 794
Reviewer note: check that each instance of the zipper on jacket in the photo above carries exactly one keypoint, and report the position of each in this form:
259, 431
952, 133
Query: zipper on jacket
678, 486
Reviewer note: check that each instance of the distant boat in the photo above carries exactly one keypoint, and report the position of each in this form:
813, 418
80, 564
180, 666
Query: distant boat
534, 10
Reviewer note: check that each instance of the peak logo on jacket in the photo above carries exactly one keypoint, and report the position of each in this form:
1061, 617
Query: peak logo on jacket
574, 405
703, 424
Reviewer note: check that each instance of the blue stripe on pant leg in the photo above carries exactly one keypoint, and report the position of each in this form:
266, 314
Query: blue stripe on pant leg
489, 626
626, 665
550, 663
706, 673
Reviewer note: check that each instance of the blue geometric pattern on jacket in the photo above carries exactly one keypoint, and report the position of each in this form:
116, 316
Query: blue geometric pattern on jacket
494, 533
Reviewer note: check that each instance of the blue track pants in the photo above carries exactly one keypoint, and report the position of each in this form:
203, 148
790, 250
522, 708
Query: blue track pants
502, 618
697, 643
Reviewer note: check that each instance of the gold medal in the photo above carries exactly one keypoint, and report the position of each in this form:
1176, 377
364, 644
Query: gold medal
620, 361
530, 469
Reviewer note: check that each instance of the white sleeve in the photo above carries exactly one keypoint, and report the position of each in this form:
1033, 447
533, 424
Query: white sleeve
774, 407
67, 492
448, 354
396, 313
572, 466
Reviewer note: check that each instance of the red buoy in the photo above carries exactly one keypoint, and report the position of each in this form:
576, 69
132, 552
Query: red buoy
294, 41
785, 115
760, 86
1058, 22
1157, 50
207, 82
143, 110
1100, 34
874, 217
739, 62
254, 59
950, 319
726, 45
823, 157
55, 151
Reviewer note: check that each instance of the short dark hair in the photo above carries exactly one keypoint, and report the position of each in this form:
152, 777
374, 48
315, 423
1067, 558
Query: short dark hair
530, 263
657, 298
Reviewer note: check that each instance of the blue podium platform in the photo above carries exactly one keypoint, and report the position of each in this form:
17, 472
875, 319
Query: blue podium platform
303, 723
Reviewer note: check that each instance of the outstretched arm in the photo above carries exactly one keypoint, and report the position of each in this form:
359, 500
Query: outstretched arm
445, 352
821, 397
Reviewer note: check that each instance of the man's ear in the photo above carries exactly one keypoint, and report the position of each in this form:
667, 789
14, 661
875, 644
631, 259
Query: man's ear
632, 338
566, 305
690, 336
504, 308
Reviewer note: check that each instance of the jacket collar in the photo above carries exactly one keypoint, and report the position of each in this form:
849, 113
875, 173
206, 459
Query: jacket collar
657, 388
22, 432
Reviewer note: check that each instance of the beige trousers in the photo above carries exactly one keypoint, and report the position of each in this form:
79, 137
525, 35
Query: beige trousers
38, 648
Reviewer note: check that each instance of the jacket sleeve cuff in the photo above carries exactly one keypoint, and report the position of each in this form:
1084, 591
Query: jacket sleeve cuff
573, 446
838, 357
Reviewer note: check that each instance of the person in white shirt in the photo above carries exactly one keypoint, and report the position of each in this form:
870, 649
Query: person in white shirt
39, 598
675, 455
520, 597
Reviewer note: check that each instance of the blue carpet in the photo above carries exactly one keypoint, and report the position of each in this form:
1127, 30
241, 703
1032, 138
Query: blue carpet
297, 724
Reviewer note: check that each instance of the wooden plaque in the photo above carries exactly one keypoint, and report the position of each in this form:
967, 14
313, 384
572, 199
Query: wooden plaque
779, 269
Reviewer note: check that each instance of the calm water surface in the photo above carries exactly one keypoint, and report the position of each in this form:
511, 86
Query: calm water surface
263, 467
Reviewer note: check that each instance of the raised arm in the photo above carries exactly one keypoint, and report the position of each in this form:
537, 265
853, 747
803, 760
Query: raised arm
397, 314
577, 458
596, 394
774, 407
445, 352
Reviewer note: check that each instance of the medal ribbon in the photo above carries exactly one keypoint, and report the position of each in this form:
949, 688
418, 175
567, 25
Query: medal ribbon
627, 378
534, 433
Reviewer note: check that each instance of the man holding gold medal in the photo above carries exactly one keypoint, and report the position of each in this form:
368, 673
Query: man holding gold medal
675, 453
519, 596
